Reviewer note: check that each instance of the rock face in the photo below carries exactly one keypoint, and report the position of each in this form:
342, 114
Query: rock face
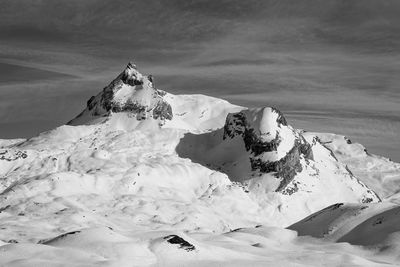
182, 243
130, 92
274, 146
12, 155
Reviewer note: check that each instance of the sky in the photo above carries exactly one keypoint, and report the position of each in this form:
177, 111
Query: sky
330, 66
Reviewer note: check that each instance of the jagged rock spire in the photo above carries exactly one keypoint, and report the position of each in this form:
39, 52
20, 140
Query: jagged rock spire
130, 92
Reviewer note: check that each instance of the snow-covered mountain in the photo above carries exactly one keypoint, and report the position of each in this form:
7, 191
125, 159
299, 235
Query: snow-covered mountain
171, 177
130, 93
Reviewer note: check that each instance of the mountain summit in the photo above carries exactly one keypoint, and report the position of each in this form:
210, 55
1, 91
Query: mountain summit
130, 92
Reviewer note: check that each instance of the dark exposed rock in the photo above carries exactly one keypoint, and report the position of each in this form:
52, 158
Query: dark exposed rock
367, 200
348, 170
305, 148
129, 106
153, 104
128, 77
348, 141
91, 103
289, 190
378, 220
183, 244
131, 80
237, 125
281, 120
11, 155
163, 111
285, 168
45, 241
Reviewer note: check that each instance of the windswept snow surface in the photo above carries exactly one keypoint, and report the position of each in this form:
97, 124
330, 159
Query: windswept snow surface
146, 178
379, 173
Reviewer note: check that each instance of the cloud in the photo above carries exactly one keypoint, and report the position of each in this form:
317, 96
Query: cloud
335, 57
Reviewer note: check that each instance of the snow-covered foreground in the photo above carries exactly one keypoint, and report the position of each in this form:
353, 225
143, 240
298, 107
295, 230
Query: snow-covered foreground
142, 177
262, 246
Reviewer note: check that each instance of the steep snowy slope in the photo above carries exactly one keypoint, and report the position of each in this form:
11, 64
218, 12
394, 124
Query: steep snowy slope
368, 225
131, 93
380, 174
160, 174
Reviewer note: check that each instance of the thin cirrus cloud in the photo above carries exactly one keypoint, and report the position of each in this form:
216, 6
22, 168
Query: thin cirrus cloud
330, 66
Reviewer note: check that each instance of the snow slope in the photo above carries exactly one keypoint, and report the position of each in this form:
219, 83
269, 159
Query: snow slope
144, 177
379, 173
372, 225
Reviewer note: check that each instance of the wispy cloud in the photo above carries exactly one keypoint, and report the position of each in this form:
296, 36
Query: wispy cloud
330, 65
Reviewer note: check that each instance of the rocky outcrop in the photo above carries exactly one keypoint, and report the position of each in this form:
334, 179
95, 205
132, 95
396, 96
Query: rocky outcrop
130, 92
12, 155
182, 243
274, 146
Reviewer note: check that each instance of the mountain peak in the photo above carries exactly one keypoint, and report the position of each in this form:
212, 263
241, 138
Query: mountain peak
131, 75
131, 65
130, 92
274, 146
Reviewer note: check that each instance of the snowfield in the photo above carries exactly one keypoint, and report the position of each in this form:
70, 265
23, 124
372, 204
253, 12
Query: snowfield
146, 178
